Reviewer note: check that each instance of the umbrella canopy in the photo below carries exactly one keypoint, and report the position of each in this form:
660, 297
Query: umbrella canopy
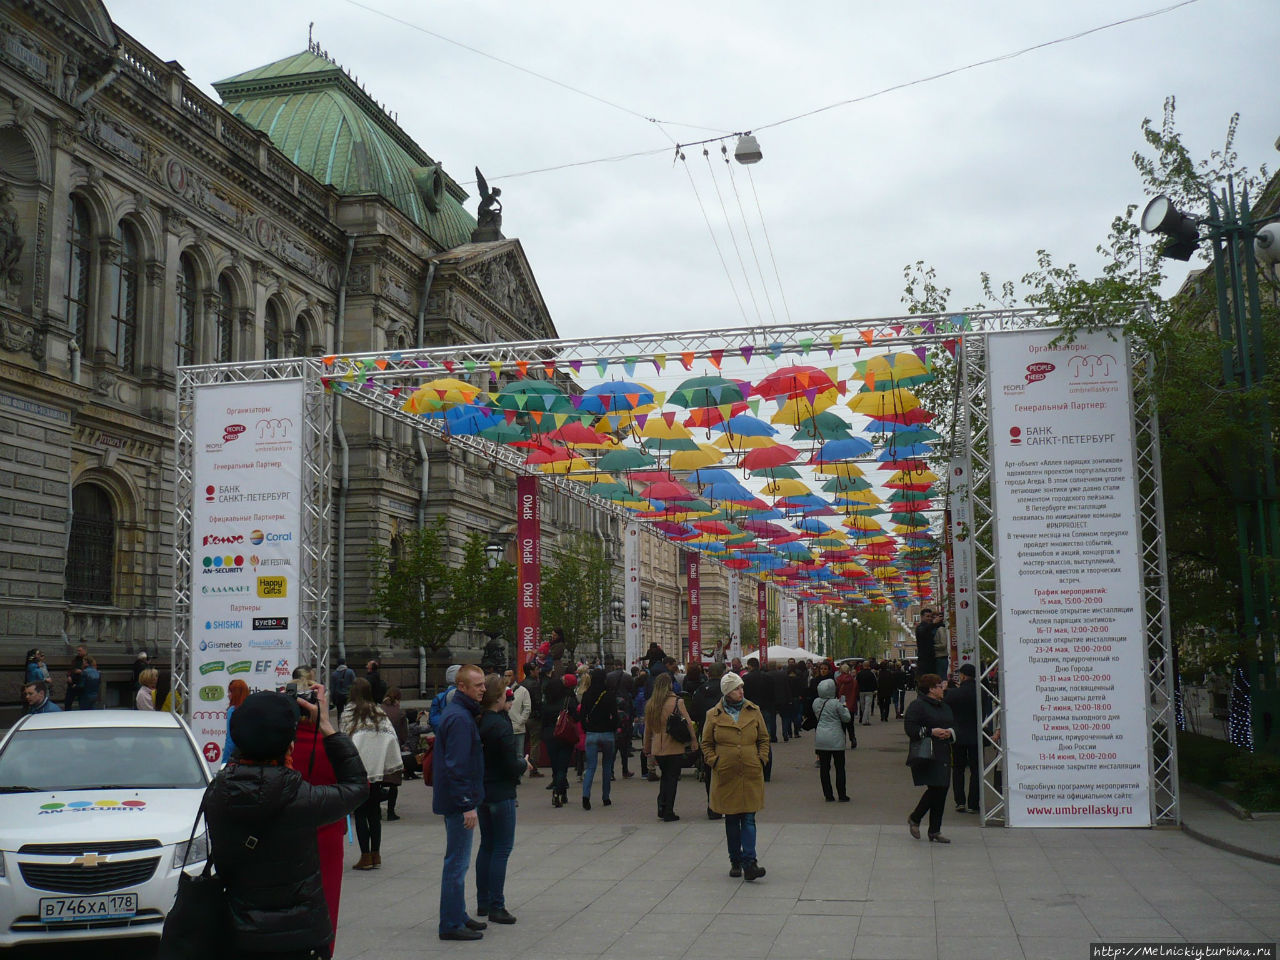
848, 449
533, 396
704, 456
706, 392
662, 428
879, 403
774, 456
626, 459
745, 425
440, 395
614, 397
794, 381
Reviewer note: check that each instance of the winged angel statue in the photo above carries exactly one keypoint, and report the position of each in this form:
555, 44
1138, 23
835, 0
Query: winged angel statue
489, 213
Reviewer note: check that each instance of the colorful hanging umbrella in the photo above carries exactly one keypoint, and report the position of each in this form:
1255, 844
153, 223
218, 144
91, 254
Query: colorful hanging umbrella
834, 451
793, 381
745, 425
625, 459
664, 427
892, 370
804, 408
879, 403
440, 395
736, 442
706, 392
666, 490
786, 488
703, 456
822, 426
763, 457
533, 396
615, 396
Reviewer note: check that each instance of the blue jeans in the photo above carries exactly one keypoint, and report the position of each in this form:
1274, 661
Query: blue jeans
740, 832
453, 880
598, 743
497, 837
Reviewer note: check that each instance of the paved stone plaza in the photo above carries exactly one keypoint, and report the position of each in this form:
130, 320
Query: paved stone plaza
844, 880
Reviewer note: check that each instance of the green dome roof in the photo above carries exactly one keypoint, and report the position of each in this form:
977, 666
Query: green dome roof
320, 119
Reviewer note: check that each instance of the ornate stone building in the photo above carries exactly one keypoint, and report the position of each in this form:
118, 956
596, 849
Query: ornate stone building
145, 226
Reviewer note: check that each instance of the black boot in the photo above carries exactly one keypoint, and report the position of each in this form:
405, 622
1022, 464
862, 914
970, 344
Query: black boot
752, 871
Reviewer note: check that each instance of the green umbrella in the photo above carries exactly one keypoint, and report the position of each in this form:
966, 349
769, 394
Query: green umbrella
533, 396
627, 459
845, 484
706, 392
505, 433
822, 426
783, 472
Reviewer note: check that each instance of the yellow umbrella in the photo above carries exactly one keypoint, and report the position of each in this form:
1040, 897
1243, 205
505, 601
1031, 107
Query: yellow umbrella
858, 496
843, 468
705, 456
734, 442
656, 428
786, 488
861, 523
913, 477
895, 368
801, 408
572, 465
440, 394
884, 403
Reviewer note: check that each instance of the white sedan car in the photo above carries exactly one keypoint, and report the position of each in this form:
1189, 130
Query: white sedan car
96, 808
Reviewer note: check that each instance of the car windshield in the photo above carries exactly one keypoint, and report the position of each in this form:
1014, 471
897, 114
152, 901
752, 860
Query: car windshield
96, 757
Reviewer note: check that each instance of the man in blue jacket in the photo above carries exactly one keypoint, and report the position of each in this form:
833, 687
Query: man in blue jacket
457, 791
36, 696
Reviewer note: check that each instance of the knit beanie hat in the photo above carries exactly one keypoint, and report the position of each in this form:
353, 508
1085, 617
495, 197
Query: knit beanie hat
451, 674
569, 680
264, 725
729, 683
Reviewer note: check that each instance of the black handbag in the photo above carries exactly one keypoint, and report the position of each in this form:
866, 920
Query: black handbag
920, 753
678, 726
197, 924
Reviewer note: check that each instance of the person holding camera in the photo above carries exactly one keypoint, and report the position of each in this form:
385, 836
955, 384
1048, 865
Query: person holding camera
370, 730
262, 818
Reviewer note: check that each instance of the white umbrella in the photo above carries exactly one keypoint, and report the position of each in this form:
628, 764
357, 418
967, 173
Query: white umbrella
779, 653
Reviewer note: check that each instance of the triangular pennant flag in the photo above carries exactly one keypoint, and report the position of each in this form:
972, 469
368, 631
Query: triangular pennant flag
951, 346
509, 415
496, 367
836, 340
726, 410
806, 344
448, 365
328, 361
396, 392
521, 399
660, 398
614, 419
549, 400
775, 350
560, 419
630, 367
606, 401
870, 380
577, 400
920, 352
633, 399
469, 365
522, 367
754, 405
380, 363
747, 352
641, 420
867, 335
549, 368
670, 417
602, 365
897, 330
660, 361
716, 357
536, 415
687, 359
576, 366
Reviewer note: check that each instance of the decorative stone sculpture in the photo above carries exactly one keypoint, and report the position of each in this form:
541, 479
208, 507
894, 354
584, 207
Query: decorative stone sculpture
11, 244
489, 214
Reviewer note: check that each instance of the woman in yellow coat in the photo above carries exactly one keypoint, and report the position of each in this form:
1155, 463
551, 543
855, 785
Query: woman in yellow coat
735, 743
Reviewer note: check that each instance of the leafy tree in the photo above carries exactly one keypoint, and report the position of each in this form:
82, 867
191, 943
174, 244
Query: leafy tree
414, 589
750, 636
486, 597
1202, 418
577, 586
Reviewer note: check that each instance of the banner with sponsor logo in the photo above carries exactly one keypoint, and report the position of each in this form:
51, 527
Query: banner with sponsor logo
787, 615
735, 616
693, 559
245, 545
963, 590
631, 591
1068, 564
528, 570
802, 611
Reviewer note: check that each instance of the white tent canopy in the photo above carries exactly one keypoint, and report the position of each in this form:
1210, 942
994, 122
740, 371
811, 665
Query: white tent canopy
780, 653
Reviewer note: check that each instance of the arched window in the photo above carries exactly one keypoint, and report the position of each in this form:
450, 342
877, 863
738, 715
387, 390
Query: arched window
186, 311
79, 265
224, 321
271, 333
302, 335
124, 314
91, 555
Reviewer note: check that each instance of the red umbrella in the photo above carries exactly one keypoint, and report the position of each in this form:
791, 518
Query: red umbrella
762, 458
665, 490
548, 454
795, 381
710, 416
736, 563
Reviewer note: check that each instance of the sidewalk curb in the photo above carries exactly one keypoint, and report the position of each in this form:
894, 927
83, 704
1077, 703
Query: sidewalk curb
1227, 846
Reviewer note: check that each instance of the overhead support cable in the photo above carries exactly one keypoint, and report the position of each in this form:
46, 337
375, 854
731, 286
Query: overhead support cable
724, 151
769, 244
706, 155
710, 229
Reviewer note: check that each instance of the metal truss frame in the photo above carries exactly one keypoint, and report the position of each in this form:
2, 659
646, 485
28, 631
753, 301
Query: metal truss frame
317, 466
973, 416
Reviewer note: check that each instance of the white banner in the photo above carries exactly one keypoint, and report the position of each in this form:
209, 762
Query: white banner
963, 564
1069, 576
631, 591
735, 616
789, 632
245, 545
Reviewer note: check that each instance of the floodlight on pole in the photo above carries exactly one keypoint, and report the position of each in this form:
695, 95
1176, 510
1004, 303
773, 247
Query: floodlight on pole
1182, 231
747, 150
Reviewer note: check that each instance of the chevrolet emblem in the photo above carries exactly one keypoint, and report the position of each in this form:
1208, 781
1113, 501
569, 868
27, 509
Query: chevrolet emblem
90, 860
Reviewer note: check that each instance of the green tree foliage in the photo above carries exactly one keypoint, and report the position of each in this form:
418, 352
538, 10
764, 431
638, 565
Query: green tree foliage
1200, 415
486, 597
414, 589
577, 586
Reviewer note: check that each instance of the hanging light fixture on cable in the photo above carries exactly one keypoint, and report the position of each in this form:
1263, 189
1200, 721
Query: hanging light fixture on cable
747, 150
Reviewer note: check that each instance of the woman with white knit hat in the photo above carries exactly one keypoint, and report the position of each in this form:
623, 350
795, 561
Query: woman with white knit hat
735, 743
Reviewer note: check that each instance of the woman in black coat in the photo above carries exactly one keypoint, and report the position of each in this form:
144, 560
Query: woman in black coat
926, 717
503, 768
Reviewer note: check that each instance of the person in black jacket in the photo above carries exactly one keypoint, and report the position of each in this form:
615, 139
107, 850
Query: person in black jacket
503, 767
555, 698
927, 718
262, 818
622, 686
967, 749
759, 690
703, 699
598, 714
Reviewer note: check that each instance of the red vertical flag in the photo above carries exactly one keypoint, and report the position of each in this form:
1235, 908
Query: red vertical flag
762, 621
529, 571
800, 624
695, 607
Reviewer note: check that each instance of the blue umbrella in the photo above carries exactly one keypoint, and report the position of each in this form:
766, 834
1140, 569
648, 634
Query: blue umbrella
713, 475
726, 491
812, 526
621, 396
835, 451
895, 452
745, 425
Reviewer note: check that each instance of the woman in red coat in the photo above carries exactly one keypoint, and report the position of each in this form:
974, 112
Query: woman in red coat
310, 760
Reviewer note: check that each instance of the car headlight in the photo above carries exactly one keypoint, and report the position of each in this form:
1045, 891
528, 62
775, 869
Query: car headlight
199, 851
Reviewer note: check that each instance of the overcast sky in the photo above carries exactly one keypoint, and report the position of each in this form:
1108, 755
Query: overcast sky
971, 172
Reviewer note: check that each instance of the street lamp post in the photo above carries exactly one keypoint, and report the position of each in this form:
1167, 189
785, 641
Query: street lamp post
1234, 233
